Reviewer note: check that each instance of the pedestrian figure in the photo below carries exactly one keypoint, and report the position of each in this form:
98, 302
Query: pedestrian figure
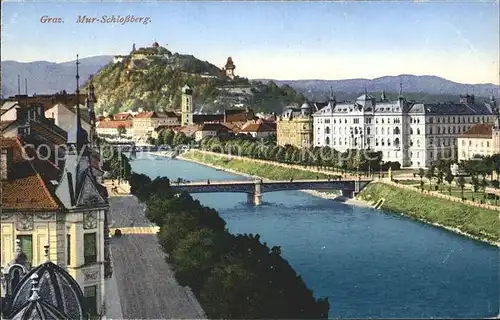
208, 181
131, 222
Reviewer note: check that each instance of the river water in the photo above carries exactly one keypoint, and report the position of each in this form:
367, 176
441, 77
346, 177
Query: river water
370, 264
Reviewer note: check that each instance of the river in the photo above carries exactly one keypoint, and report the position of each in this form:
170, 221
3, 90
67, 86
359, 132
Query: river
370, 264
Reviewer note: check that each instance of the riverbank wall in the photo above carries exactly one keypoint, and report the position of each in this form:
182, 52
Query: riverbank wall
477, 223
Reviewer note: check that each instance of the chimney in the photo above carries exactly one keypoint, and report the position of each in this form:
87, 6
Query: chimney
40, 111
6, 163
21, 114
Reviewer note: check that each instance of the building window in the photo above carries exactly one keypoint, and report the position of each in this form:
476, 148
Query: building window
327, 130
90, 300
418, 130
470, 143
376, 142
396, 130
411, 130
431, 120
68, 249
90, 247
488, 144
27, 245
368, 130
327, 141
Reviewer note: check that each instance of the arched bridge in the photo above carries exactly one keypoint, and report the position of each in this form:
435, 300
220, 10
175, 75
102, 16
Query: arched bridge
255, 189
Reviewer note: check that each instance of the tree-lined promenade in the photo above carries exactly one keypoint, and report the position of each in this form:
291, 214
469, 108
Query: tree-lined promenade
233, 276
362, 161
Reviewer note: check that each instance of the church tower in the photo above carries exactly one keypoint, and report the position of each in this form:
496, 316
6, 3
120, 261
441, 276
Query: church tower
186, 106
91, 100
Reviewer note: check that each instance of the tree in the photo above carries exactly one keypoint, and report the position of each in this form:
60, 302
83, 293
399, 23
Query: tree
439, 177
175, 227
121, 130
461, 184
229, 293
139, 186
430, 174
179, 139
449, 178
421, 173
194, 257
168, 137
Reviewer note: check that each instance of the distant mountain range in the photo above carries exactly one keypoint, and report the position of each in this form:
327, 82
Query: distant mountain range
50, 77
424, 86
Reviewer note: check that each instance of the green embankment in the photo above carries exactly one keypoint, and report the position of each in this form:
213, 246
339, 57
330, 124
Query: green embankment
268, 171
478, 222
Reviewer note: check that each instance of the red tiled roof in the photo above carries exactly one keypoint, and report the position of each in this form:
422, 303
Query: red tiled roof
482, 130
47, 133
257, 127
202, 118
214, 127
166, 114
113, 124
122, 116
26, 189
151, 114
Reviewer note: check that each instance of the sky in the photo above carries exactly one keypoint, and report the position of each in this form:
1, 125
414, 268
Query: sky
456, 40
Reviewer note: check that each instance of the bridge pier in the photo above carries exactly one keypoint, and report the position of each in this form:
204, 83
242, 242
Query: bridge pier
254, 198
348, 193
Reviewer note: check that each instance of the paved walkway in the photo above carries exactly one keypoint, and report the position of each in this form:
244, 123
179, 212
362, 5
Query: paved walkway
113, 303
145, 282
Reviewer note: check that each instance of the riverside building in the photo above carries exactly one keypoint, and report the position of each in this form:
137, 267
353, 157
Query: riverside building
412, 133
295, 127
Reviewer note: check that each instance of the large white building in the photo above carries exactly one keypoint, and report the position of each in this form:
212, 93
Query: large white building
411, 133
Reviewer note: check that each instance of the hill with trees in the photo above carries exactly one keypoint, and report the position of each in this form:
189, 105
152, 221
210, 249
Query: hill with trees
154, 84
